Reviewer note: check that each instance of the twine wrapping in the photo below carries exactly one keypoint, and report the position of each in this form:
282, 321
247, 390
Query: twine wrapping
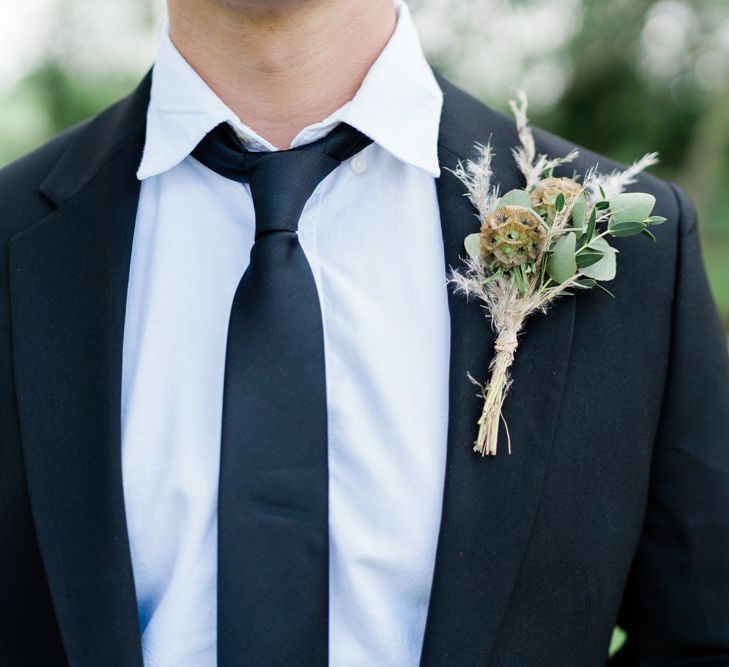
508, 323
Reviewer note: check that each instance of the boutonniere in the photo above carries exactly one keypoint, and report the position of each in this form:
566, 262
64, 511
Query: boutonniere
539, 243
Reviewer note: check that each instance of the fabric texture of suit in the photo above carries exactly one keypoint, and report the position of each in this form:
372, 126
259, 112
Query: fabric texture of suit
613, 507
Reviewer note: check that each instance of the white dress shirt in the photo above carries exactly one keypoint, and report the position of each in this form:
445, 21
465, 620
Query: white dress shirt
371, 232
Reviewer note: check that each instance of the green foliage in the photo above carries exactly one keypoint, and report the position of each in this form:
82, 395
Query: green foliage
49, 100
606, 267
579, 210
473, 246
591, 223
630, 207
716, 252
617, 641
561, 263
514, 198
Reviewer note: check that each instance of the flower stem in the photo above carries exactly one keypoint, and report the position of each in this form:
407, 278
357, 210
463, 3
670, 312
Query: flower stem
494, 394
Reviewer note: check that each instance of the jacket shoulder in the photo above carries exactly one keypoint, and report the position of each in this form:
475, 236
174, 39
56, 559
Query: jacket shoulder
32, 184
30, 169
487, 125
672, 203
21, 203
665, 192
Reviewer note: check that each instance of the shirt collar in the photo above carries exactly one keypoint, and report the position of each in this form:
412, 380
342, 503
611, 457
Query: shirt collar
398, 105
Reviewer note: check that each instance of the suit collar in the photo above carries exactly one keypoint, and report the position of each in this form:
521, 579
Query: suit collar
402, 119
489, 505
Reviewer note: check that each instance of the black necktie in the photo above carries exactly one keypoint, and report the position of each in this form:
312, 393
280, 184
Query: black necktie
273, 543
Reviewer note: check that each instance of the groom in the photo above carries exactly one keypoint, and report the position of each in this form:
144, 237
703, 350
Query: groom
235, 421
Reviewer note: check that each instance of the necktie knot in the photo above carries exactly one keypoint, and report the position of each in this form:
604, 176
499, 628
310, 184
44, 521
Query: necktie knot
281, 182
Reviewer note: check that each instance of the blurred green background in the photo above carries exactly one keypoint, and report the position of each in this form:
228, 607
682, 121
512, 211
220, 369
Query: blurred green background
623, 77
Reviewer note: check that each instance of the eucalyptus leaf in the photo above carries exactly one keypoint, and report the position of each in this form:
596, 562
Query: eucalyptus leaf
626, 228
604, 269
591, 227
473, 246
656, 220
559, 203
600, 243
585, 259
645, 232
561, 264
515, 198
586, 282
579, 211
631, 207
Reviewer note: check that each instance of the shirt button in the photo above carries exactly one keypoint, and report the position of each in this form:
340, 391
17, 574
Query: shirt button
358, 164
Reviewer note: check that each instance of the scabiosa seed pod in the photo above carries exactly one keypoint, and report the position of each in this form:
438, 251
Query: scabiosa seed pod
511, 236
546, 192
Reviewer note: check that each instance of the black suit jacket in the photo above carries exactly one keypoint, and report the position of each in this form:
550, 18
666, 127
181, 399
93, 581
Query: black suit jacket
614, 505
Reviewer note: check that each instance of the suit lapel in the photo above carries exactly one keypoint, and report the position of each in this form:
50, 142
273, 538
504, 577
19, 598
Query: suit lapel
489, 505
69, 276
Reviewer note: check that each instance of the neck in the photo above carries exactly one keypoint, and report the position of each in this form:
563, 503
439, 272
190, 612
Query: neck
282, 66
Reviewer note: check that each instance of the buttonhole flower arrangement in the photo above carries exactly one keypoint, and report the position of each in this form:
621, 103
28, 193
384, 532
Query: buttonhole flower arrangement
539, 243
